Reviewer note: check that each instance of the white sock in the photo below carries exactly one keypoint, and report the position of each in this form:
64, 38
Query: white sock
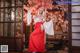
33, 52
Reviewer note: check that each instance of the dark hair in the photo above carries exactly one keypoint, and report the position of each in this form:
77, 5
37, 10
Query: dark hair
54, 3
54, 10
25, 1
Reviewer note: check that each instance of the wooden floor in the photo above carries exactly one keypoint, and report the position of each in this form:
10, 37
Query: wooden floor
59, 51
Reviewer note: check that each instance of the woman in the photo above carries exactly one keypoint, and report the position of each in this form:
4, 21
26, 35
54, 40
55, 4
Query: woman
37, 37
49, 25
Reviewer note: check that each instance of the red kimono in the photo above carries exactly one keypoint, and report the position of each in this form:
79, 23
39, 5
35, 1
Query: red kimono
37, 39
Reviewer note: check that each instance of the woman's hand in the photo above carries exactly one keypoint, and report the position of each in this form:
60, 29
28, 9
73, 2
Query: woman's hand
42, 28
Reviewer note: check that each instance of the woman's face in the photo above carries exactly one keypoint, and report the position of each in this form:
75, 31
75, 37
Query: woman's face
30, 2
34, 11
48, 19
40, 11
